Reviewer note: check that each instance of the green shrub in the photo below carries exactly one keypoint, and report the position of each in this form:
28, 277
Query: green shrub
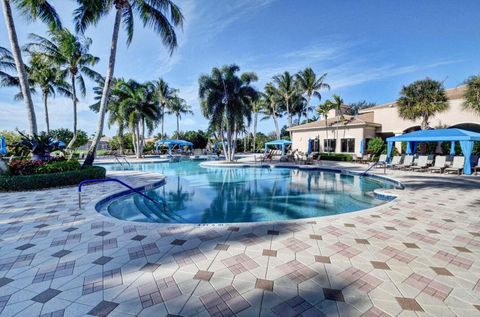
28, 167
376, 146
334, 157
40, 181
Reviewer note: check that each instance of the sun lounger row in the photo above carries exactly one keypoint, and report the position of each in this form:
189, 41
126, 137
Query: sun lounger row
426, 163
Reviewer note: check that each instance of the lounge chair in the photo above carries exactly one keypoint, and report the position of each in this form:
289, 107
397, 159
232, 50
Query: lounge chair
267, 156
477, 168
407, 162
457, 165
382, 160
422, 163
396, 161
355, 158
366, 158
440, 164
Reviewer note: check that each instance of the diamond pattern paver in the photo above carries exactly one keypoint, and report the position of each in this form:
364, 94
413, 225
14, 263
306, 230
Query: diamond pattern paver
419, 252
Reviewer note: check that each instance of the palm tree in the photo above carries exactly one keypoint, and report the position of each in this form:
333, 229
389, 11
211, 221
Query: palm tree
178, 107
421, 100
472, 94
310, 85
152, 13
7, 65
271, 109
138, 107
165, 95
323, 110
47, 77
337, 104
225, 100
287, 89
71, 54
33, 10
115, 114
257, 106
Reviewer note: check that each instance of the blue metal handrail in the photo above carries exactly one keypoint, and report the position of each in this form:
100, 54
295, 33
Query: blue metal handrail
103, 180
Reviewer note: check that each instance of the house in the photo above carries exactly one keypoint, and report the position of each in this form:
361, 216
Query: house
353, 132
104, 144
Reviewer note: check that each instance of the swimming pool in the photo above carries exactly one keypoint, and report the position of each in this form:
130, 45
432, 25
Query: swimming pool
196, 194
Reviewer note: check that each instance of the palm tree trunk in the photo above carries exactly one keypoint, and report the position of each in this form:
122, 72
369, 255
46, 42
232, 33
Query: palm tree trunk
308, 104
289, 117
277, 131
74, 100
178, 127
45, 105
20, 66
163, 116
106, 89
120, 138
255, 118
142, 136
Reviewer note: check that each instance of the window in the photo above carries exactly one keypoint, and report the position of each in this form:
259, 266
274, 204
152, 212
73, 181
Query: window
348, 145
329, 145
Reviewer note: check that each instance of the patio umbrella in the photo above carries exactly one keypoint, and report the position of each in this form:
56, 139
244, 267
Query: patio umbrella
362, 146
309, 147
3, 146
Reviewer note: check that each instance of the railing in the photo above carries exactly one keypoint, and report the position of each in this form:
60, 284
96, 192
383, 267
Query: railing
117, 158
373, 165
117, 181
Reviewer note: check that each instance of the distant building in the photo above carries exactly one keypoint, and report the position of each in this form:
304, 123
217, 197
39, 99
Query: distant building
379, 121
102, 145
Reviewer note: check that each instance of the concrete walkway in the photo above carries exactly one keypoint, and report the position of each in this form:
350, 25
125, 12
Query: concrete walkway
416, 256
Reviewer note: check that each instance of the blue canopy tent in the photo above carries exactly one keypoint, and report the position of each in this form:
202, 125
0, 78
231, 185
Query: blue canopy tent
464, 137
3, 146
278, 143
172, 143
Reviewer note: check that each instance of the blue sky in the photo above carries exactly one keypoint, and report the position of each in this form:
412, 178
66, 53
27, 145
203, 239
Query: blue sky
368, 48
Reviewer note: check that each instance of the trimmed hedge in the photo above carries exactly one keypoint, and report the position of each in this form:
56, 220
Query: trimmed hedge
334, 157
40, 181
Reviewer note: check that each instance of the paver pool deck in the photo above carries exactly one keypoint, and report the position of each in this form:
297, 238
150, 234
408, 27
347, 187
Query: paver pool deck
416, 256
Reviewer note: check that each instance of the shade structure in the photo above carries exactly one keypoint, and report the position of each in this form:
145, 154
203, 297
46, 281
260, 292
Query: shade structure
464, 137
172, 143
3, 146
309, 149
278, 143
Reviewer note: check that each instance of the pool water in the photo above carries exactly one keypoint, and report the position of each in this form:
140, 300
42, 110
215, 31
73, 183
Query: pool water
196, 194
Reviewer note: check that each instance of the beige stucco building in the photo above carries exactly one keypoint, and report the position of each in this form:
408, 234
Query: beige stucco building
382, 121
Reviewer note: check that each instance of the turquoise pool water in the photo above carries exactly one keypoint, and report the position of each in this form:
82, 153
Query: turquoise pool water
195, 194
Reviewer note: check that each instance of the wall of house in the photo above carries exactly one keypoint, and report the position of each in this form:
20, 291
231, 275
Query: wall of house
392, 123
300, 138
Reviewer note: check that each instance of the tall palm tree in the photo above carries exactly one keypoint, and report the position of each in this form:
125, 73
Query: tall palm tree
323, 110
161, 15
287, 89
472, 94
271, 109
422, 99
139, 108
32, 10
225, 100
178, 107
310, 85
71, 53
257, 107
47, 77
165, 95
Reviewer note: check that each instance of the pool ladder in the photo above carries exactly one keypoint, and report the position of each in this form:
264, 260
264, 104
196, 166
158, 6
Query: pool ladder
127, 163
104, 180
